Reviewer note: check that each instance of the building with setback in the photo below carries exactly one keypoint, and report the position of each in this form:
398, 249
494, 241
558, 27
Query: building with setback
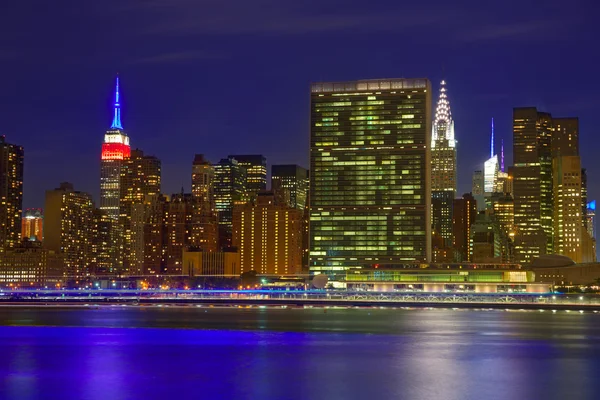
443, 168
370, 170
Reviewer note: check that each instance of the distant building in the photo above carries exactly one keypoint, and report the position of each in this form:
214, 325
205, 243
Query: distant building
230, 189
69, 220
205, 219
290, 184
29, 265
268, 236
140, 177
11, 193
215, 263
101, 262
591, 219
443, 170
256, 173
370, 174
465, 212
179, 219
32, 224
477, 189
115, 150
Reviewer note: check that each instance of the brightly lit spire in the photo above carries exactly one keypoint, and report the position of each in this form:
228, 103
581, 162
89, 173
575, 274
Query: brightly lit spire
492, 141
116, 123
502, 155
443, 126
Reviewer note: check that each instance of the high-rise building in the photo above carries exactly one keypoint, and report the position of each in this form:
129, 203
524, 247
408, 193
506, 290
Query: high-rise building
584, 198
179, 223
155, 234
140, 177
115, 150
101, 261
32, 224
69, 219
477, 189
491, 168
11, 193
268, 236
290, 181
256, 173
443, 168
465, 212
532, 182
229, 189
205, 223
370, 174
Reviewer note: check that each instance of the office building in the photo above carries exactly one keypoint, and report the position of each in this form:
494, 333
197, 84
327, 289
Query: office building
11, 193
179, 219
532, 183
28, 265
205, 220
290, 184
443, 168
101, 261
211, 264
256, 173
69, 219
115, 150
477, 189
229, 189
32, 224
591, 219
465, 212
140, 177
370, 174
268, 236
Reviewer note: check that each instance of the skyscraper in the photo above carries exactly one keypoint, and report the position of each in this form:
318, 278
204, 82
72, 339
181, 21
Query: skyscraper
11, 193
115, 150
229, 188
290, 181
532, 183
256, 172
205, 223
490, 169
443, 168
140, 177
477, 189
32, 225
69, 220
179, 220
370, 170
465, 212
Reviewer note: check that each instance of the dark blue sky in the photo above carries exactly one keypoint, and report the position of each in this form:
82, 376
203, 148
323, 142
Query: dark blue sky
223, 77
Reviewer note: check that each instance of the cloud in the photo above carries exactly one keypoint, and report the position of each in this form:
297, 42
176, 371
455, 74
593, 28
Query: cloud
531, 30
177, 57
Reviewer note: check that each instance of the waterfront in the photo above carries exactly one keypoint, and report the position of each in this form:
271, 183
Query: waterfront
126, 352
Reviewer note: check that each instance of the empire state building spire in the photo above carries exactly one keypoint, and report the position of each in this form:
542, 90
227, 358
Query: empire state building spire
116, 123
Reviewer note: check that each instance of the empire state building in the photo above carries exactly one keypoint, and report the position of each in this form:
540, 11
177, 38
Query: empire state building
443, 169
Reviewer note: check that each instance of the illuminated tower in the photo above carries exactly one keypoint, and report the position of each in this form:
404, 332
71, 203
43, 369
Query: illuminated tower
256, 173
115, 150
32, 225
11, 193
443, 168
370, 170
490, 169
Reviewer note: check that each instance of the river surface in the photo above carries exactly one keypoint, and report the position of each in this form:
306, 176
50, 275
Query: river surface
272, 353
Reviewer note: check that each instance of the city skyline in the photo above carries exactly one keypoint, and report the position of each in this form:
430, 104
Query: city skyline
176, 91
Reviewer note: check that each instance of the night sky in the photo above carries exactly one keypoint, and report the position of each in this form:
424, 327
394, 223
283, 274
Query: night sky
224, 77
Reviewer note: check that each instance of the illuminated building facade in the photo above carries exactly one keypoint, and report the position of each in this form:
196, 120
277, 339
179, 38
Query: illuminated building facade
465, 212
229, 189
256, 173
370, 174
140, 177
115, 150
179, 224
591, 219
155, 233
268, 236
28, 265
205, 224
101, 262
290, 181
68, 220
32, 224
443, 168
11, 193
214, 263
532, 183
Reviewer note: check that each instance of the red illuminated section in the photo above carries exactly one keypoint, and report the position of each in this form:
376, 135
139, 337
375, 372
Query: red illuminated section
115, 151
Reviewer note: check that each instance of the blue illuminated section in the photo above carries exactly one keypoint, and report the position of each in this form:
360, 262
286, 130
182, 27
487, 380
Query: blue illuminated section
592, 205
116, 124
492, 142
